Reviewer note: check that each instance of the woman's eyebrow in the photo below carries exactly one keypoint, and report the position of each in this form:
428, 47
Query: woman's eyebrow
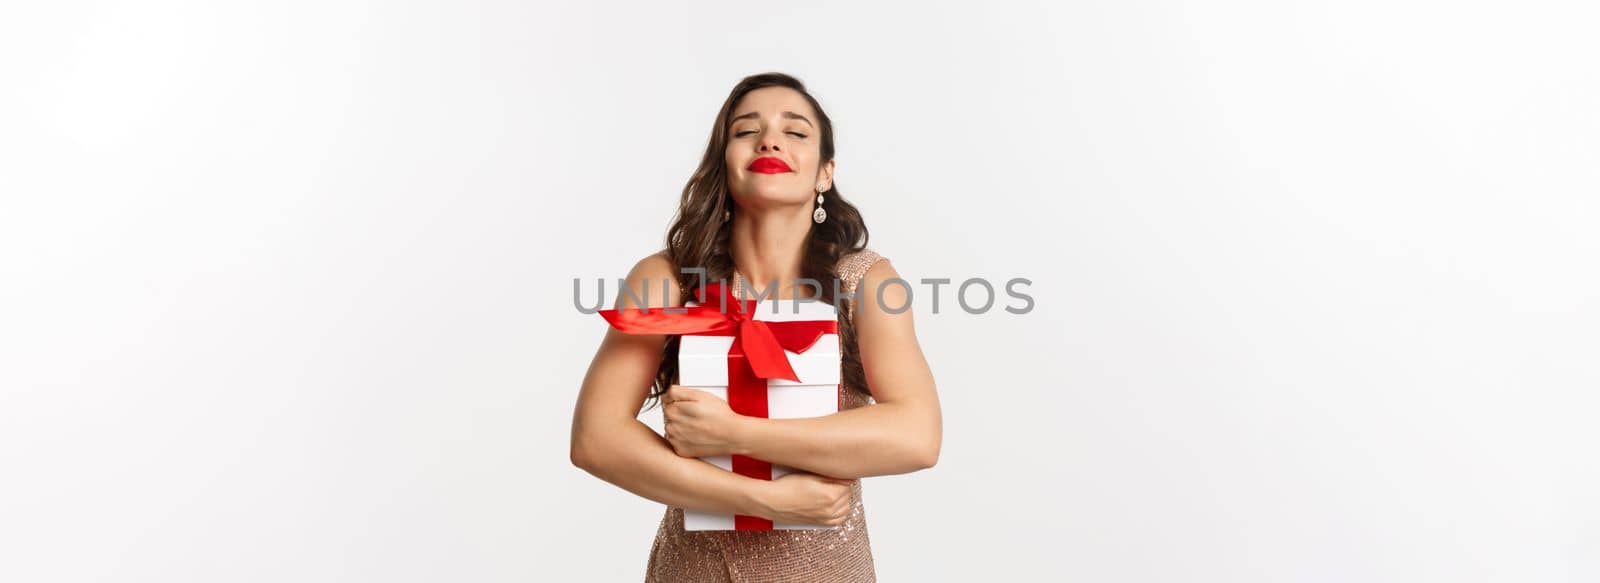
786, 114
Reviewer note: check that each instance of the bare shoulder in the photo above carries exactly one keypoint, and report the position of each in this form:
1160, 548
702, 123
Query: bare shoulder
883, 294
646, 280
874, 277
655, 264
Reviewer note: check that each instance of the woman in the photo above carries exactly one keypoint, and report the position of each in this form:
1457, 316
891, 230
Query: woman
763, 207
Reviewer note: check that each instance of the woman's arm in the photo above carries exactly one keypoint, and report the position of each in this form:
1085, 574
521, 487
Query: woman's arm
609, 441
900, 433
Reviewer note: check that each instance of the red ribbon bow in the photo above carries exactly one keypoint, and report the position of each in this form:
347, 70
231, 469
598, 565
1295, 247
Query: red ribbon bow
757, 354
758, 342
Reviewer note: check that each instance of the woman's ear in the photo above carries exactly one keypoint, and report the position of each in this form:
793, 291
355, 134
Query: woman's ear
827, 175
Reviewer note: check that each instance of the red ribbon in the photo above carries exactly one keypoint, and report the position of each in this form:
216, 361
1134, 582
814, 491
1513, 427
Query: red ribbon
757, 354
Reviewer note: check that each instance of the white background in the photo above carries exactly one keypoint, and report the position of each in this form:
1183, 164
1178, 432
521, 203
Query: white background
285, 287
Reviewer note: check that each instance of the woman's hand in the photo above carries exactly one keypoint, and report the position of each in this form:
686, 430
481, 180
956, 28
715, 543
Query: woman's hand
806, 498
699, 424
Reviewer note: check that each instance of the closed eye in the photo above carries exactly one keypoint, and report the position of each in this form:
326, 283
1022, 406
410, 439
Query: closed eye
743, 133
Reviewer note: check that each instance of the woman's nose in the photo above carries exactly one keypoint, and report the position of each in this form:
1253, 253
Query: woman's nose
769, 143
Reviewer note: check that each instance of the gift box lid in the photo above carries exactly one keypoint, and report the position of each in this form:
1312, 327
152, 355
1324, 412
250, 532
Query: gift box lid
703, 360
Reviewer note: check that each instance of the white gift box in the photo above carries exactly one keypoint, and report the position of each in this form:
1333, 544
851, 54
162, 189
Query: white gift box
703, 365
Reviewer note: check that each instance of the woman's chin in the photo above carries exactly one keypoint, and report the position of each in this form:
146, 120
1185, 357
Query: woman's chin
769, 197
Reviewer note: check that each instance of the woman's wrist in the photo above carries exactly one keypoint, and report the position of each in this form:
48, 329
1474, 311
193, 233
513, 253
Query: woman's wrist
757, 498
741, 434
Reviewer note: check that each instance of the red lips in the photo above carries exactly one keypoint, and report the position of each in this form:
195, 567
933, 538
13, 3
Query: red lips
768, 165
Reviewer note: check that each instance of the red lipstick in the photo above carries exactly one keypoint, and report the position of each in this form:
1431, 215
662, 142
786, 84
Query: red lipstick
768, 165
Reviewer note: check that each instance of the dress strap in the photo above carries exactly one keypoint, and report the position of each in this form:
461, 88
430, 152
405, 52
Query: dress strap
851, 268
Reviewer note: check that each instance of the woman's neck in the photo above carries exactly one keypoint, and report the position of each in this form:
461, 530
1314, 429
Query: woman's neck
768, 245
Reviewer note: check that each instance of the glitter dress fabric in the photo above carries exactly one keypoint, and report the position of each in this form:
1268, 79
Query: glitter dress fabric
842, 554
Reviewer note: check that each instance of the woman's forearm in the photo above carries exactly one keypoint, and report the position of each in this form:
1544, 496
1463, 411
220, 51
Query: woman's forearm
873, 440
635, 458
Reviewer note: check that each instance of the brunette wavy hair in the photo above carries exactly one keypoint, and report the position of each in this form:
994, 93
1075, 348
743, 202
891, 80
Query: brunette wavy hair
699, 235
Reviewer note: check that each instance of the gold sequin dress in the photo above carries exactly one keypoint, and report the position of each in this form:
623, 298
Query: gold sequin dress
841, 554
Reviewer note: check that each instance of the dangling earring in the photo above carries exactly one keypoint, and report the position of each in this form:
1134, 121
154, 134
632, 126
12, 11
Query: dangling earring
819, 215
726, 215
